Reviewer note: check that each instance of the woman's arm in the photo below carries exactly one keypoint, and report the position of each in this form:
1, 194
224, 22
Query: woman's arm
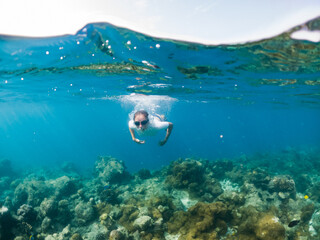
169, 130
134, 138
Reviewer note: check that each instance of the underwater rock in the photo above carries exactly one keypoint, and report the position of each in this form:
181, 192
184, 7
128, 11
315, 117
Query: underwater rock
18, 238
64, 235
202, 221
314, 192
64, 186
161, 207
283, 183
185, 199
316, 221
211, 189
147, 189
76, 236
8, 203
189, 174
259, 178
232, 199
136, 235
143, 223
218, 169
49, 208
115, 235
256, 198
119, 234
31, 192
182, 173
129, 213
237, 174
108, 195
51, 237
46, 224
84, 213
96, 232
26, 214
64, 211
269, 228
253, 224
20, 195
108, 214
7, 223
106, 220
144, 174
111, 170
307, 212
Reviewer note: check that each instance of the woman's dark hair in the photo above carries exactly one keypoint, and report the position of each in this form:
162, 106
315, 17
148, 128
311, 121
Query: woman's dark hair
143, 112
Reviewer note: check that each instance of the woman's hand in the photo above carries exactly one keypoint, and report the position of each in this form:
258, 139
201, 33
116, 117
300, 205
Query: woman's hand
139, 141
169, 130
163, 142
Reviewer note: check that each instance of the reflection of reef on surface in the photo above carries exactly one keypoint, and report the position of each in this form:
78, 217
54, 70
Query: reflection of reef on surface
98, 69
195, 71
271, 196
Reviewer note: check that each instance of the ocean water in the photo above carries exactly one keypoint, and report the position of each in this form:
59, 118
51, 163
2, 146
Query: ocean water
69, 99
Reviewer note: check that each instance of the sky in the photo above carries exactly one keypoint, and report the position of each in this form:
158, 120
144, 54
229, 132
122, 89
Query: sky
204, 21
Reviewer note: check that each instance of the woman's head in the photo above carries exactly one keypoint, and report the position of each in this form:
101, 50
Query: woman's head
141, 119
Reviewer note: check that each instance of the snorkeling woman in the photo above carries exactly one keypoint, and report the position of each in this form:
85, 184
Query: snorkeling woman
148, 125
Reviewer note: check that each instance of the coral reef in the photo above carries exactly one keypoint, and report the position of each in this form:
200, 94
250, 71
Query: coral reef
260, 225
190, 175
191, 199
84, 213
144, 174
186, 174
110, 170
202, 221
283, 184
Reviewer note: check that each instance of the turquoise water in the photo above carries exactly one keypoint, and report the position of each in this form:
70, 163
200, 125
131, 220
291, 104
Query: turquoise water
68, 99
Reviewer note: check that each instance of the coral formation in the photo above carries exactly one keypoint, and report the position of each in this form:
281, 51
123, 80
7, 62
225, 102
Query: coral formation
191, 199
110, 170
26, 213
144, 174
284, 184
84, 213
185, 174
202, 221
189, 174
